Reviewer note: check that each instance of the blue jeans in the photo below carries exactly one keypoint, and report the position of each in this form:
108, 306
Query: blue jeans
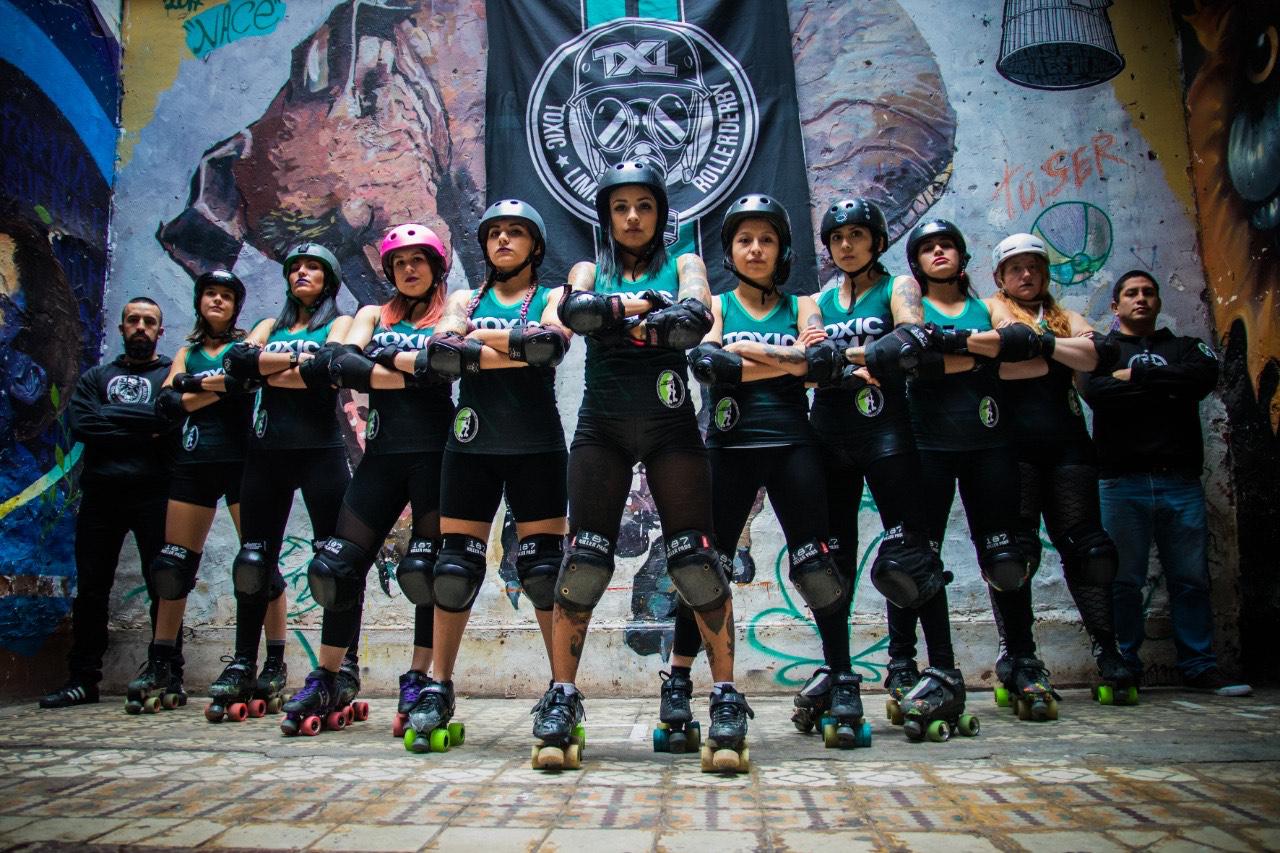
1170, 508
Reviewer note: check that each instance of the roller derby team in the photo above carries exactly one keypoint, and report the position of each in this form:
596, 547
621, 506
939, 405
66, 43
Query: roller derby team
911, 382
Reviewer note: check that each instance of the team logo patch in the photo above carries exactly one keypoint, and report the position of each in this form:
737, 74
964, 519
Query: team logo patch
127, 388
1150, 359
260, 423
664, 92
670, 389
1205, 348
371, 425
870, 401
466, 424
726, 416
988, 412
190, 436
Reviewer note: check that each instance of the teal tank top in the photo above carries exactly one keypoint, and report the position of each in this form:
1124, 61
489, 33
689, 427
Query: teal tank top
769, 412
509, 410
960, 411
217, 432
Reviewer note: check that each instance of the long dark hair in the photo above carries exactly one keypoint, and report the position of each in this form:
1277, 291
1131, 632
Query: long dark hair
609, 268
202, 330
323, 312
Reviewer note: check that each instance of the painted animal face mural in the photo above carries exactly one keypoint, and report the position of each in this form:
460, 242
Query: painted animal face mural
1234, 128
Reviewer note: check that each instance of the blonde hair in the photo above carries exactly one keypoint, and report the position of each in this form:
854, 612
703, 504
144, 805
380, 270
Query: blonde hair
1050, 317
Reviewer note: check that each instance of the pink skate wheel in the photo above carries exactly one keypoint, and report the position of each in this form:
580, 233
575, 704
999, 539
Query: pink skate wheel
237, 712
310, 726
257, 708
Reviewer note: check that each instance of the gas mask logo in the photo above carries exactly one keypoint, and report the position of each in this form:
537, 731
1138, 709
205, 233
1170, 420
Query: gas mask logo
660, 92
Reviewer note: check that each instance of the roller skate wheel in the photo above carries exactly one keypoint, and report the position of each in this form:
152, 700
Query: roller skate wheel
893, 712
1051, 709
414, 742
549, 757
398, 725
133, 706
830, 737
457, 733
912, 729
1103, 694
335, 720
362, 711
274, 703
214, 713
171, 701
257, 708
440, 740
725, 760
864, 735
579, 736
802, 720
661, 739
704, 756
289, 727
938, 731
310, 726
1002, 697
533, 757
968, 725
679, 743
693, 737
237, 712
573, 756
151, 705
1130, 696
348, 714
825, 720
744, 760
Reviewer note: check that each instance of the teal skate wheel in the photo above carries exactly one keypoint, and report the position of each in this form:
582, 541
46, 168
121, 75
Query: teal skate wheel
968, 725
938, 731
440, 740
864, 735
457, 733
1002, 697
661, 739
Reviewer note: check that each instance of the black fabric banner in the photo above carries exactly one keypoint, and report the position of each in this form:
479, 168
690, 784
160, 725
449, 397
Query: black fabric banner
703, 89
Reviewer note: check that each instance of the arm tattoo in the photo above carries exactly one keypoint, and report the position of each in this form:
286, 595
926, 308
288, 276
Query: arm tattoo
455, 318
912, 308
783, 355
583, 276
693, 280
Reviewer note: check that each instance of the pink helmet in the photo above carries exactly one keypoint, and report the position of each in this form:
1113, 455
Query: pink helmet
411, 234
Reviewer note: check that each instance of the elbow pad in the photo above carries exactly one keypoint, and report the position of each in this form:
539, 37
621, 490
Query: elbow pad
350, 369
585, 312
315, 371
712, 364
897, 354
241, 361
823, 362
383, 355
537, 346
452, 355
1019, 342
169, 406
948, 340
680, 327
187, 383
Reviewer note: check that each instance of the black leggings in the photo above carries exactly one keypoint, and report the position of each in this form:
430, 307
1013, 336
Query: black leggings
266, 497
1065, 488
988, 481
380, 488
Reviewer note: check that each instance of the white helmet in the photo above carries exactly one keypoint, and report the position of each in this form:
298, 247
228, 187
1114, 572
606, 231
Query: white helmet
1016, 244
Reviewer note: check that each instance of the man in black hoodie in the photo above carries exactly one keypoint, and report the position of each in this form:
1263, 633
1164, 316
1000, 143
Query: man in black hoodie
124, 486
1146, 426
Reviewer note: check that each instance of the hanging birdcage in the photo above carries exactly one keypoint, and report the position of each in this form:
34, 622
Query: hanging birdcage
1058, 44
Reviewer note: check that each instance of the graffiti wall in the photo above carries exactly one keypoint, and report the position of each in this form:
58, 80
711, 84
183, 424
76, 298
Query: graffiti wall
59, 108
247, 125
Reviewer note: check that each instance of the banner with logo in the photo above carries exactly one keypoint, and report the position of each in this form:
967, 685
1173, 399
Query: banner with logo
702, 89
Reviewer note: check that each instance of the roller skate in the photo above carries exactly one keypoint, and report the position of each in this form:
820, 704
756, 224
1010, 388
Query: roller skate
348, 685
901, 677
812, 700
725, 749
429, 727
314, 707
557, 724
1118, 685
935, 707
411, 684
270, 686
1025, 689
677, 731
156, 687
843, 726
231, 693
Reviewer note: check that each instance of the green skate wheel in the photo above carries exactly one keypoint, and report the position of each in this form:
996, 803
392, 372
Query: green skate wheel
864, 735
580, 734
968, 725
410, 737
829, 737
440, 740
1131, 696
457, 733
661, 739
1104, 694
938, 731
1002, 697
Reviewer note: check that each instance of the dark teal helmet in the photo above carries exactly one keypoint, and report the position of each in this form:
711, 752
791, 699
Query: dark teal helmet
759, 207
332, 270
513, 208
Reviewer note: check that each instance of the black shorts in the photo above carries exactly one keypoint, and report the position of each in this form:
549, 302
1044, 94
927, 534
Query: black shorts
471, 485
860, 450
202, 483
641, 439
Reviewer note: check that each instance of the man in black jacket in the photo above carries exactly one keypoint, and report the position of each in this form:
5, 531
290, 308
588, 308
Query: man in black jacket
124, 486
1146, 426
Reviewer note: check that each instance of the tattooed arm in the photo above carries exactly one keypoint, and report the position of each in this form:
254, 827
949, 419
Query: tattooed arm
905, 301
692, 273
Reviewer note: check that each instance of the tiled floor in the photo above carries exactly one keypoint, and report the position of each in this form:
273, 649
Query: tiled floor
1180, 772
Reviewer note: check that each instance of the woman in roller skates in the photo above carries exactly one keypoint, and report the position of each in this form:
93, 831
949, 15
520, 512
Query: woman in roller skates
641, 309
864, 426
210, 464
759, 435
294, 443
1057, 464
385, 355
504, 340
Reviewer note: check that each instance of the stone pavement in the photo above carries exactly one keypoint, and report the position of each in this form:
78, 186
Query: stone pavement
1180, 772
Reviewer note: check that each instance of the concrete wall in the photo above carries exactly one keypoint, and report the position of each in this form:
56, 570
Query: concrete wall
221, 159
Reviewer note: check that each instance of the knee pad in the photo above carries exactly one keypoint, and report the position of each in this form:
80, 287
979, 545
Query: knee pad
817, 578
336, 573
1090, 556
459, 572
907, 571
1004, 566
1028, 540
251, 572
416, 571
586, 571
538, 567
173, 572
697, 570
845, 553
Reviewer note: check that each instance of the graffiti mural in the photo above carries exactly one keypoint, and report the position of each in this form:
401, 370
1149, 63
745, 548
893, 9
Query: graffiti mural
59, 94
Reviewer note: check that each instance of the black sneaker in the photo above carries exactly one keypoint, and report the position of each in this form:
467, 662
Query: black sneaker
1212, 680
73, 693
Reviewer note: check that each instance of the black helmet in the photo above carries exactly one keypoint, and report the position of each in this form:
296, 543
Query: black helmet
514, 208
857, 211
933, 228
327, 259
222, 278
625, 174
759, 207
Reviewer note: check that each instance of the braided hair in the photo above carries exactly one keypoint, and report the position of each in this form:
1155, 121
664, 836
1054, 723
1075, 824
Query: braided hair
489, 279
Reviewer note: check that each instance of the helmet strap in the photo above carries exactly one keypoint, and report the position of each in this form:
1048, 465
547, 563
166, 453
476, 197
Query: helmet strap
765, 292
512, 273
851, 276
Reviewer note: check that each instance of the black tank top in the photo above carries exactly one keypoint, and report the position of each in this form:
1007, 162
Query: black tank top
220, 431
293, 419
407, 420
